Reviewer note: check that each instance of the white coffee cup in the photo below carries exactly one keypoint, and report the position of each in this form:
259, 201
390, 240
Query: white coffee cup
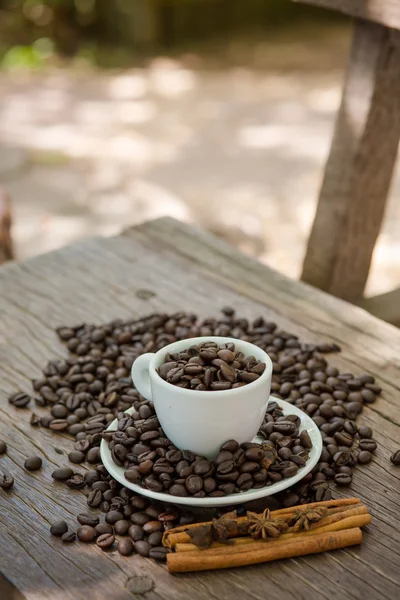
201, 421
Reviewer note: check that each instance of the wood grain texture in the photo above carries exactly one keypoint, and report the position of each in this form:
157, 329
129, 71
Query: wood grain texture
359, 168
100, 279
385, 12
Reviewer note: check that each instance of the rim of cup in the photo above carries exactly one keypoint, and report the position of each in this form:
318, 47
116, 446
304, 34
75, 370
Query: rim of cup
180, 345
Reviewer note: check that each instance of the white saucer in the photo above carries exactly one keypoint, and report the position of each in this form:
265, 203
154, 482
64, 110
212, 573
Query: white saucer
238, 498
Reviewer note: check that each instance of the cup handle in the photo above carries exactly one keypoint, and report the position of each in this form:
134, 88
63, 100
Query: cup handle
140, 375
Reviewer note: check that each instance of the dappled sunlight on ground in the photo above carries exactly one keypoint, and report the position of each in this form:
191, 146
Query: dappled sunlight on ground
239, 151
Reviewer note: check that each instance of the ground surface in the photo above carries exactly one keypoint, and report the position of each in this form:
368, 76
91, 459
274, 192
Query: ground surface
238, 149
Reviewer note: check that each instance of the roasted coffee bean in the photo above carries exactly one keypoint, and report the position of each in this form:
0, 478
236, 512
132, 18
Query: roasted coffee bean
343, 479
113, 516
368, 444
3, 447
86, 534
365, 432
122, 527
140, 518
62, 474
103, 528
136, 532
395, 458
152, 526
86, 519
6, 480
58, 528
93, 455
105, 541
76, 482
159, 553
364, 457
94, 498
142, 547
33, 463
76, 457
177, 489
194, 484
230, 446
155, 539
19, 400
68, 537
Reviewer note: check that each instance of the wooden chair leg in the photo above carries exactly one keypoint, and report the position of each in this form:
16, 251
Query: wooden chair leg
6, 249
360, 165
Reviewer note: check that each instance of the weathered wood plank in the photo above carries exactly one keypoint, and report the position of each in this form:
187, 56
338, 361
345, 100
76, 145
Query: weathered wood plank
359, 168
385, 12
101, 279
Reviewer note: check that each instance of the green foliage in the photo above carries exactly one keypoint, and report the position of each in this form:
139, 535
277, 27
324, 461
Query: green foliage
103, 30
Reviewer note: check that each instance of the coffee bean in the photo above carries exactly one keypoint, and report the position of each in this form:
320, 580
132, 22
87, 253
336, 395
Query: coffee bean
93, 455
86, 534
305, 439
113, 516
365, 432
142, 547
33, 463
103, 528
368, 396
159, 553
94, 498
136, 532
3, 447
105, 541
19, 400
76, 482
122, 527
6, 480
152, 527
76, 457
364, 457
58, 528
86, 519
230, 446
343, 479
177, 489
395, 458
68, 537
140, 518
368, 444
194, 484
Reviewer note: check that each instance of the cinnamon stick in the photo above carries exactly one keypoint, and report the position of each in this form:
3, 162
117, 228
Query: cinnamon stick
178, 535
357, 520
202, 560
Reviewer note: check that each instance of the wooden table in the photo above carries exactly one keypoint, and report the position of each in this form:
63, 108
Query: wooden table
165, 265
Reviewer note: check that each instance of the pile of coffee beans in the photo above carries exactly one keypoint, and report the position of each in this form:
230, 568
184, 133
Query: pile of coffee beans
83, 393
151, 460
209, 366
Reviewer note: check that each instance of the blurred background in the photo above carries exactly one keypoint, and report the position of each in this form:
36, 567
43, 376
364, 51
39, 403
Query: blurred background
217, 112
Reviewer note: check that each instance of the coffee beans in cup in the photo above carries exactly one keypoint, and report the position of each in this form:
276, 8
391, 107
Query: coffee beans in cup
210, 367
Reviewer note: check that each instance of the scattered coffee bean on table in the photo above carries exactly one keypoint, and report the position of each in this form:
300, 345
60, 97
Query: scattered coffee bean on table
210, 366
3, 447
395, 458
6, 480
86, 534
62, 474
34, 463
92, 386
105, 541
68, 537
59, 528
19, 400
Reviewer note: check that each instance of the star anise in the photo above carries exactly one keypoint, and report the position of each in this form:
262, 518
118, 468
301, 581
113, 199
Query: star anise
302, 519
262, 526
